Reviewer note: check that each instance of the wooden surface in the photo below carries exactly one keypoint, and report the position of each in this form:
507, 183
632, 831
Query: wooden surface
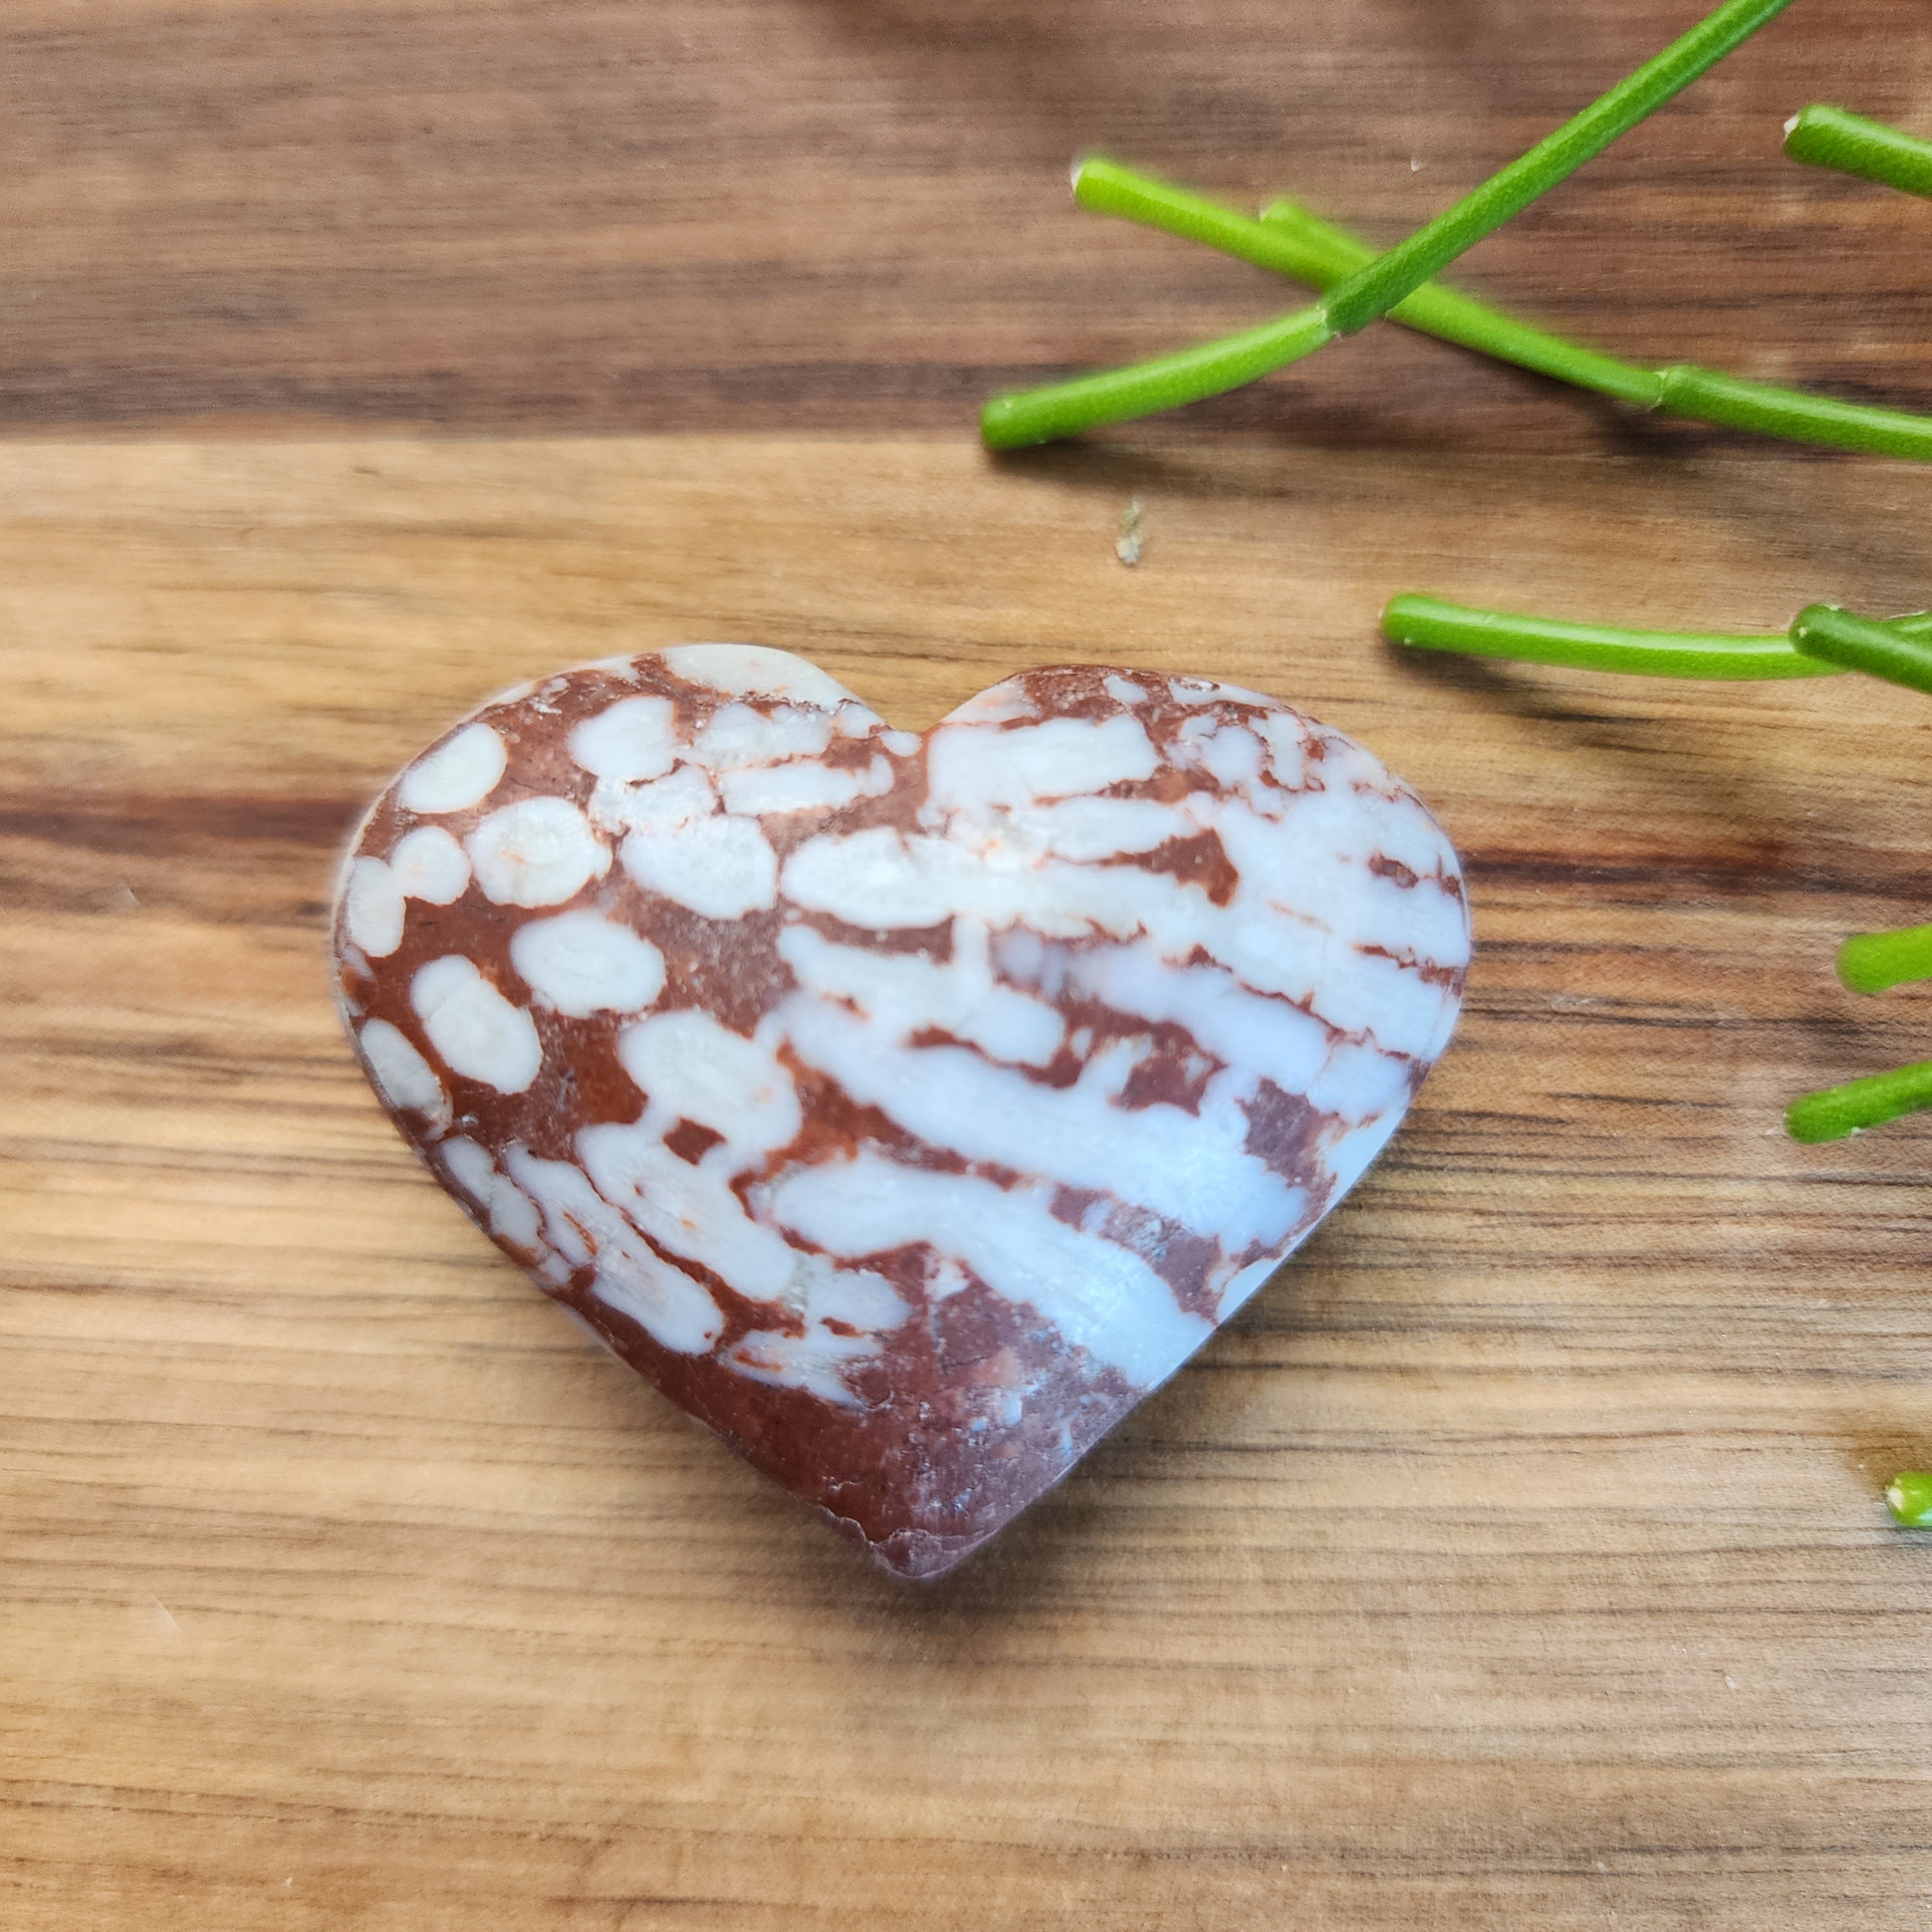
1516, 1560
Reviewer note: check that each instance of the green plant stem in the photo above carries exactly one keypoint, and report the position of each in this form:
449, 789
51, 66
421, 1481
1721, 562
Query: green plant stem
1429, 624
1909, 1496
1707, 397
1842, 637
1118, 395
1041, 415
1839, 1111
1291, 242
1870, 962
1828, 137
1327, 254
1404, 269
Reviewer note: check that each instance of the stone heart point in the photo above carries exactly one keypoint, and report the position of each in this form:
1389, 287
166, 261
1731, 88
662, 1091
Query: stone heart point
904, 1108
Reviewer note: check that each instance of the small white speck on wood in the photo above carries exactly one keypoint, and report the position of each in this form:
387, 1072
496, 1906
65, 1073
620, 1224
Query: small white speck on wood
1131, 542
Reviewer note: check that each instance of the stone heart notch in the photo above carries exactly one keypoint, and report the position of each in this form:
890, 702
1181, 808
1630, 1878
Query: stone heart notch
904, 1109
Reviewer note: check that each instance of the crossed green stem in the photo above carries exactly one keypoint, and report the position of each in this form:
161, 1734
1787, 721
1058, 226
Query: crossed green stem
1060, 410
1291, 242
1828, 137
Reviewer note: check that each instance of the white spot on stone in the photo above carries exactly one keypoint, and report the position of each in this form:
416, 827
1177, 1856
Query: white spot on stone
1287, 741
1231, 755
720, 867
873, 879
402, 1076
537, 852
430, 866
974, 771
692, 1068
372, 910
815, 1361
999, 703
1101, 1298
738, 737
1123, 690
1270, 1037
667, 805
751, 671
818, 1360
627, 742
901, 744
802, 787
1191, 1168
459, 774
507, 1211
945, 1278
1095, 830
469, 1166
688, 1211
477, 1032
1206, 691
900, 993
579, 963
676, 1312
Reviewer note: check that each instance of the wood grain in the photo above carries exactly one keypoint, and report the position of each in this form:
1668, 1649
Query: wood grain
1517, 1559
772, 215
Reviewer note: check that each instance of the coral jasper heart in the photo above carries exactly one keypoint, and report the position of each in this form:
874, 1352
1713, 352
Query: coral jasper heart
904, 1108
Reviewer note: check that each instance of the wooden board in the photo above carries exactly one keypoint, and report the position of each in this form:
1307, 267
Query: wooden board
1517, 1559
1518, 1556
839, 214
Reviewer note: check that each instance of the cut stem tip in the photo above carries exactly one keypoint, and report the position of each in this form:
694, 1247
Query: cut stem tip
1828, 137
1836, 1112
1909, 1496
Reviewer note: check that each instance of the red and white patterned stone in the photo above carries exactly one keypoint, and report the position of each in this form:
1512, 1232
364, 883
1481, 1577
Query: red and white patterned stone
904, 1108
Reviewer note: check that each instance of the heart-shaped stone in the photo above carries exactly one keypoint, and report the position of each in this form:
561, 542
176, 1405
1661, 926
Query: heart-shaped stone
904, 1108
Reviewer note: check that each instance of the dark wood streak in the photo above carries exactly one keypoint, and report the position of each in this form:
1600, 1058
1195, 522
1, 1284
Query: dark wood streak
1413, 1604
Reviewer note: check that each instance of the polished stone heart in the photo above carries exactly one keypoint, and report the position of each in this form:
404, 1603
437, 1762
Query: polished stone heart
904, 1108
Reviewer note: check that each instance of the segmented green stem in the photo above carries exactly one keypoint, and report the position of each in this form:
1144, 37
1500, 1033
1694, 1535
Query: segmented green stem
1146, 388
1859, 1104
1505, 194
1291, 242
1853, 642
1706, 396
1429, 624
1041, 415
1870, 962
1828, 137
1909, 1496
